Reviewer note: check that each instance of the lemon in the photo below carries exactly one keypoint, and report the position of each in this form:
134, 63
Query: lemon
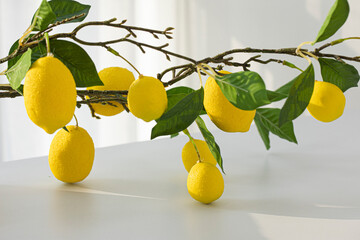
113, 78
71, 154
222, 113
205, 182
327, 102
49, 94
147, 98
190, 157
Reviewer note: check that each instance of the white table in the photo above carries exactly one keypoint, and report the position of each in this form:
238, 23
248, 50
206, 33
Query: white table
138, 191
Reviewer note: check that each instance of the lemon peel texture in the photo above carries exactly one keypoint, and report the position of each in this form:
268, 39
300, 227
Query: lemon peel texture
49, 94
71, 154
327, 102
205, 182
222, 113
147, 98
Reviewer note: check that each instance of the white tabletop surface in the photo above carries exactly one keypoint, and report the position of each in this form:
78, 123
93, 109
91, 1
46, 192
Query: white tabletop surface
138, 191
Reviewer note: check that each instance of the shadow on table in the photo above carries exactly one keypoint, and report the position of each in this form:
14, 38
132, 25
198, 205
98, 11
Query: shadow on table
298, 185
289, 207
111, 187
304, 184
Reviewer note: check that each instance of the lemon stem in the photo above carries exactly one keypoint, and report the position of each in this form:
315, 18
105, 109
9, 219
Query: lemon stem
203, 69
198, 71
76, 120
210, 68
26, 33
349, 38
116, 53
47, 40
187, 133
30, 28
298, 51
130, 65
343, 39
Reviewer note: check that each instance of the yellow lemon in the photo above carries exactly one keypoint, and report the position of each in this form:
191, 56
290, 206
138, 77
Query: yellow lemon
327, 102
205, 182
222, 113
147, 98
49, 94
113, 78
190, 157
71, 154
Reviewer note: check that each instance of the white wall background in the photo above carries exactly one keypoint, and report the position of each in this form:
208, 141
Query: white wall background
202, 28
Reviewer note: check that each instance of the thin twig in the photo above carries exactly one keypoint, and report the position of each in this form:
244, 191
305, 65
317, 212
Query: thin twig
184, 66
34, 40
51, 26
248, 61
269, 60
93, 114
220, 58
102, 100
178, 72
100, 93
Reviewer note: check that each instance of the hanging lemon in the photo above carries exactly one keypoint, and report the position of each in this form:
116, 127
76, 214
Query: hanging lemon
222, 113
147, 98
327, 102
205, 182
49, 94
71, 154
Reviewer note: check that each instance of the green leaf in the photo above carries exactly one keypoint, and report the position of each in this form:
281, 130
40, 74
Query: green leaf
263, 131
291, 65
65, 128
37, 52
20, 89
274, 96
181, 116
43, 17
174, 95
18, 71
336, 18
72, 55
12, 61
78, 61
269, 118
64, 9
245, 90
280, 93
210, 140
299, 96
343, 75
174, 135
179, 90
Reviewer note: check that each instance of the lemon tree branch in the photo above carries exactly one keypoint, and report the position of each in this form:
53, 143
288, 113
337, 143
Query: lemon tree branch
177, 72
220, 58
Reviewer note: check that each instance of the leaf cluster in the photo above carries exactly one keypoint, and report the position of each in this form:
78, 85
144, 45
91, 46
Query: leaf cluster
244, 89
71, 54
